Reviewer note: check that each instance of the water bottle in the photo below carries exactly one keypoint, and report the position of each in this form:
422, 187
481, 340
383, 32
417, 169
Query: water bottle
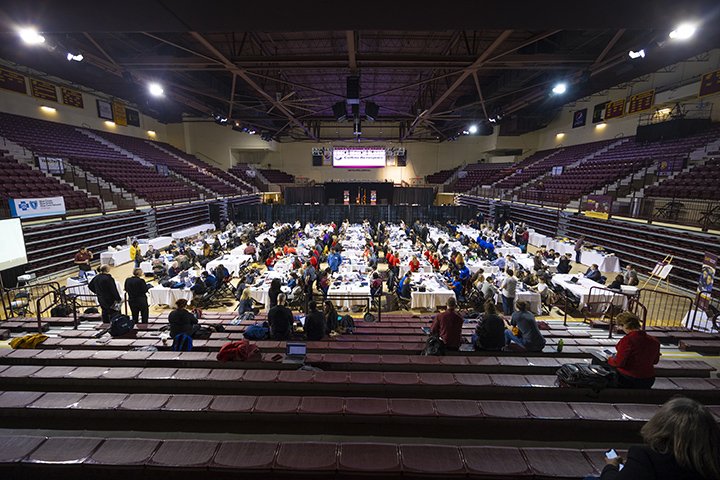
560, 345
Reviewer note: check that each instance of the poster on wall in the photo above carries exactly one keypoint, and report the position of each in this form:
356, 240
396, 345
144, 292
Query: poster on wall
709, 83
10, 80
373, 197
615, 109
579, 118
119, 113
599, 112
641, 101
51, 165
598, 206
37, 207
43, 90
133, 117
104, 109
72, 98
346, 197
706, 280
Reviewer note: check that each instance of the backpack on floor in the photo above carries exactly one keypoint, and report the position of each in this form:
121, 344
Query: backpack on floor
257, 332
433, 347
241, 350
182, 343
60, 311
581, 375
120, 325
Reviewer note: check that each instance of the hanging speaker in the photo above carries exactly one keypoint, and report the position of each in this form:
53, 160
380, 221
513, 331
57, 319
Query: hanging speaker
340, 111
353, 90
317, 160
402, 158
371, 111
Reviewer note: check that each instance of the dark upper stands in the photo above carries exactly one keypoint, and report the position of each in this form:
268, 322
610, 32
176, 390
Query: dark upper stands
274, 175
480, 174
240, 170
441, 177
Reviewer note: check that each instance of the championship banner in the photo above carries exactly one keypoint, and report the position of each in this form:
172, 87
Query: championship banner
72, 98
37, 207
615, 109
706, 280
373, 197
579, 118
119, 113
598, 206
599, 112
641, 101
133, 117
10, 80
43, 90
346, 197
709, 83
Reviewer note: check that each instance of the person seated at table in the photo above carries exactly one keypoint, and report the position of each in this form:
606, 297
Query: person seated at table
182, 260
414, 264
456, 285
245, 302
463, 272
181, 320
404, 287
511, 264
631, 277
332, 319
375, 285
448, 326
324, 281
499, 262
199, 288
217, 245
315, 324
206, 249
637, 353
158, 267
250, 250
150, 254
221, 273
210, 280
280, 319
593, 273
547, 296
490, 331
173, 270
394, 262
289, 250
488, 289
334, 260
435, 261
530, 339
617, 283
274, 292
564, 264
270, 261
538, 263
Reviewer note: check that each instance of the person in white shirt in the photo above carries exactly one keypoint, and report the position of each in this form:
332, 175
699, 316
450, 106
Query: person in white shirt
508, 292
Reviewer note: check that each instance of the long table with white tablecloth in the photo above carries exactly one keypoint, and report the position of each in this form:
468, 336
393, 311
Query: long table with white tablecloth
168, 296
232, 262
189, 232
589, 291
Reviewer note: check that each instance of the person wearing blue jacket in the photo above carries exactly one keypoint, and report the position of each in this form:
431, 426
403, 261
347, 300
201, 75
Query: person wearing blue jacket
334, 261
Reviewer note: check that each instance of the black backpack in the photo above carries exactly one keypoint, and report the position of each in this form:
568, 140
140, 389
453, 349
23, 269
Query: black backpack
434, 347
120, 325
581, 375
60, 311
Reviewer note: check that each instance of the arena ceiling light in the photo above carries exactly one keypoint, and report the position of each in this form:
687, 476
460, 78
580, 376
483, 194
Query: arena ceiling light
473, 129
683, 31
560, 88
155, 89
30, 36
77, 58
638, 54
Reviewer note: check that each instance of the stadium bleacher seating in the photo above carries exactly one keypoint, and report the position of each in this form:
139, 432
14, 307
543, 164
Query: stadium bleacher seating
480, 174
274, 175
440, 177
240, 170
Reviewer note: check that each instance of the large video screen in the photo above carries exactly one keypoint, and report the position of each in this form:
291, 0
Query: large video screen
12, 244
358, 157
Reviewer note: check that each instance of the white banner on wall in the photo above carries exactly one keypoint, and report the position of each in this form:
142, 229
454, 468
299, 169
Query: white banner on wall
52, 165
37, 207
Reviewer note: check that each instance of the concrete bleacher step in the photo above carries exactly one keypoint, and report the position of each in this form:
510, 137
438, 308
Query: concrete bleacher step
68, 457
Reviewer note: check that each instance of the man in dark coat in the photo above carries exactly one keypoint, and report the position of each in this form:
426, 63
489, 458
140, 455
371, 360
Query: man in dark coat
137, 289
103, 285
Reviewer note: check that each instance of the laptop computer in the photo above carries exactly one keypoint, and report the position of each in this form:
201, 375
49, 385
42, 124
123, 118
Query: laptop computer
295, 353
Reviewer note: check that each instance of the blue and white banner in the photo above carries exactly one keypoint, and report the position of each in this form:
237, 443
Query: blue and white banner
37, 207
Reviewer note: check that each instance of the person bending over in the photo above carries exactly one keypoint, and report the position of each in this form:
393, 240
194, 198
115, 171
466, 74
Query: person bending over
637, 353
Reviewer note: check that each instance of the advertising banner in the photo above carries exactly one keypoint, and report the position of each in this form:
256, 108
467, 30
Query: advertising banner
37, 207
598, 206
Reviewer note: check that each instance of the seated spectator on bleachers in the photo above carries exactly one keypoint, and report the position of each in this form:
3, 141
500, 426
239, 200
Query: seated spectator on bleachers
682, 442
593, 273
246, 302
490, 331
181, 320
637, 353
315, 324
210, 280
104, 287
82, 260
530, 339
631, 277
136, 289
280, 319
331, 317
564, 264
617, 283
448, 326
274, 292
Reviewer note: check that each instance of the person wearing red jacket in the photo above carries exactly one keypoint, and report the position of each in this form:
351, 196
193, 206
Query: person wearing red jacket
637, 353
414, 264
448, 326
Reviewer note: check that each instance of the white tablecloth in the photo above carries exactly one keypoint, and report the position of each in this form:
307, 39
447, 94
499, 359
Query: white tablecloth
77, 287
582, 290
231, 262
431, 300
605, 263
424, 267
562, 247
168, 296
528, 263
514, 251
158, 243
115, 258
349, 289
189, 232
532, 298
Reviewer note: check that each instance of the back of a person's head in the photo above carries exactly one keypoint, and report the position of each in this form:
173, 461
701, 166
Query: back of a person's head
522, 306
688, 431
490, 308
510, 273
281, 299
104, 269
181, 303
451, 303
629, 321
312, 306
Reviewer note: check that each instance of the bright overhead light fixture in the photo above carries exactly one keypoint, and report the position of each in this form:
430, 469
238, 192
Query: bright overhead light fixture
156, 90
31, 36
638, 54
473, 129
109, 123
683, 31
77, 58
559, 135
560, 88
47, 109
600, 126
151, 133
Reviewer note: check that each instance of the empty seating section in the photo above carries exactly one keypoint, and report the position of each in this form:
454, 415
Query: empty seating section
21, 181
180, 217
476, 174
241, 170
700, 183
52, 247
611, 165
146, 151
274, 175
549, 159
441, 177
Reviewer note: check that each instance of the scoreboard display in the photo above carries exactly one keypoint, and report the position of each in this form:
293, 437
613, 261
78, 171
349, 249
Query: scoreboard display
359, 157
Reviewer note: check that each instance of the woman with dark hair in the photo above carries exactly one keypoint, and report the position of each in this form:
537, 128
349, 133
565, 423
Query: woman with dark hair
637, 353
682, 442
181, 320
273, 292
490, 332
331, 317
